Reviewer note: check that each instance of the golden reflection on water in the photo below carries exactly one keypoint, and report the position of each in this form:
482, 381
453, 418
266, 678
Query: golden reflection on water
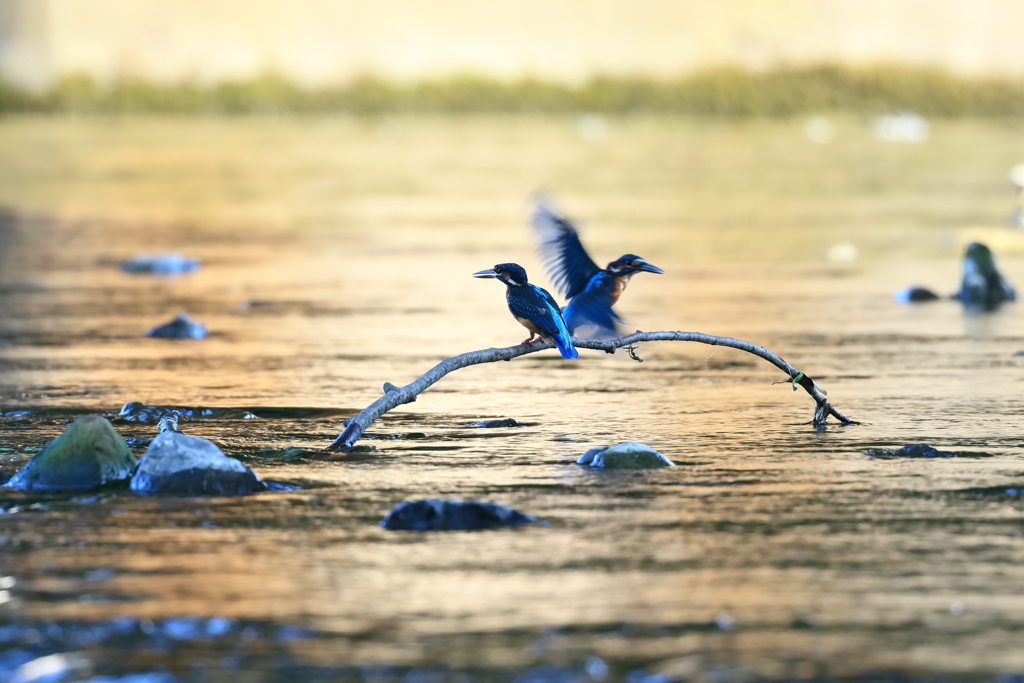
362, 234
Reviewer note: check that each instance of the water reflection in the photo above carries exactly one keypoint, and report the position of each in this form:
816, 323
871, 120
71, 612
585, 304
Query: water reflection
771, 551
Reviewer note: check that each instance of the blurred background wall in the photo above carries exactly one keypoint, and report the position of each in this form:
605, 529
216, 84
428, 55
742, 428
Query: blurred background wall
322, 42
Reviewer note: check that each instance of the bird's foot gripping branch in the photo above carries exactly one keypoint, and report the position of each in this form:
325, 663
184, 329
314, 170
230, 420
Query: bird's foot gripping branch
396, 396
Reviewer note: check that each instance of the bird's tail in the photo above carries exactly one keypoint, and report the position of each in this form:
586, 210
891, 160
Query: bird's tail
565, 347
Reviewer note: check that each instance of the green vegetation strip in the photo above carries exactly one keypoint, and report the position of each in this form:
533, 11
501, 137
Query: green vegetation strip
721, 92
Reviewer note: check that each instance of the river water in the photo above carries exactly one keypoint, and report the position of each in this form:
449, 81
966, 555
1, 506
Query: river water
337, 255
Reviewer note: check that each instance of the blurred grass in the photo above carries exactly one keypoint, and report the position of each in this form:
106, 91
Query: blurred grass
724, 92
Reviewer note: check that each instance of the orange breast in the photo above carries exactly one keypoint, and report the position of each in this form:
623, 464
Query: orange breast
529, 325
620, 286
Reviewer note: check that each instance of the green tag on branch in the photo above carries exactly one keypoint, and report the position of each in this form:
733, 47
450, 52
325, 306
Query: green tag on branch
799, 376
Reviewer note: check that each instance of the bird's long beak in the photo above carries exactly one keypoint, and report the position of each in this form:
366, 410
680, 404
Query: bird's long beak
486, 273
648, 268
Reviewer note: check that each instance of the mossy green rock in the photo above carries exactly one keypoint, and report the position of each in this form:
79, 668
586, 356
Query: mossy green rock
89, 454
630, 455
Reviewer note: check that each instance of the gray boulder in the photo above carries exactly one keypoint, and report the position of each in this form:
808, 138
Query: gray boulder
436, 514
178, 464
89, 454
630, 455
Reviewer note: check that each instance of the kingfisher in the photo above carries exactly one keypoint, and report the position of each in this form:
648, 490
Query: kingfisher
592, 291
533, 307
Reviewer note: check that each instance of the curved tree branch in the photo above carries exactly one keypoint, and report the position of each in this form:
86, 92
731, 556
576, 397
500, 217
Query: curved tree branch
396, 396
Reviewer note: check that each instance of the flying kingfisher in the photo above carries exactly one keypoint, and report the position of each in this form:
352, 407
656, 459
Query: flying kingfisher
533, 307
591, 291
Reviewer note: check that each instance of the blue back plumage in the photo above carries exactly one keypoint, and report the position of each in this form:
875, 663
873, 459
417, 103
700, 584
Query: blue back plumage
536, 305
562, 337
591, 307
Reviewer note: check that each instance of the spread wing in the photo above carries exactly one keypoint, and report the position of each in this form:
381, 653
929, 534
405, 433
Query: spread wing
567, 262
591, 309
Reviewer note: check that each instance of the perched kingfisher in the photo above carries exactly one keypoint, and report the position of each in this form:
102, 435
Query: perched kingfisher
533, 307
591, 291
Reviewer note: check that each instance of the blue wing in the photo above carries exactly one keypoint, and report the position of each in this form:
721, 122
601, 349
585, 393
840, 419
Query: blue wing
567, 262
592, 308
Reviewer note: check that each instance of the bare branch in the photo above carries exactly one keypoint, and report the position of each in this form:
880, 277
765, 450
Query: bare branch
396, 396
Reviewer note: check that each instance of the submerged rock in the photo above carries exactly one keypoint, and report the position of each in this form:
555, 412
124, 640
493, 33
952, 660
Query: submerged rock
914, 450
491, 424
135, 411
436, 514
89, 454
915, 295
160, 264
630, 455
169, 422
184, 465
181, 327
983, 287
287, 453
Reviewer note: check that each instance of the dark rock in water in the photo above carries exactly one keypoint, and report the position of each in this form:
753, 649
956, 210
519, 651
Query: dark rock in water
630, 455
183, 465
435, 514
89, 454
160, 264
353, 454
914, 450
983, 287
148, 677
287, 453
137, 442
135, 411
181, 327
281, 486
915, 295
491, 424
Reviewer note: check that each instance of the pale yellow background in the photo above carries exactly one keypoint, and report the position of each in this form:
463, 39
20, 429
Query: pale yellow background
318, 42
